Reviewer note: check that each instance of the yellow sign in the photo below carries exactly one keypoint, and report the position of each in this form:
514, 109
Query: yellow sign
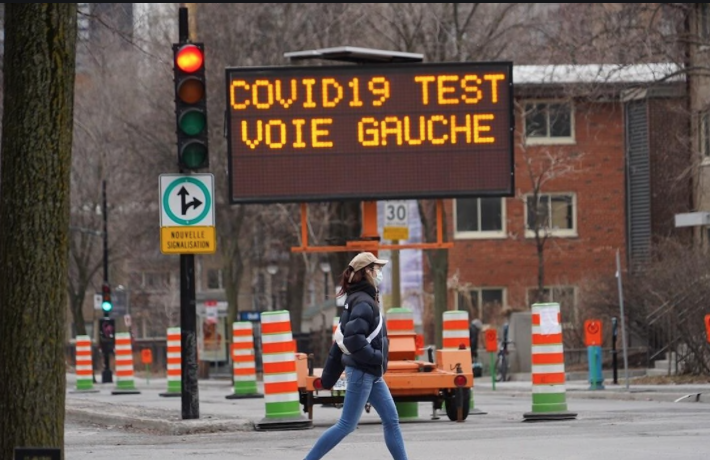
188, 240
395, 233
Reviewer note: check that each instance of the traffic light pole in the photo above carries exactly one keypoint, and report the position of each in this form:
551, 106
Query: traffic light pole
106, 375
188, 314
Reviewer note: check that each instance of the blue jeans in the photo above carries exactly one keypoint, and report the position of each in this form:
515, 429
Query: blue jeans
361, 388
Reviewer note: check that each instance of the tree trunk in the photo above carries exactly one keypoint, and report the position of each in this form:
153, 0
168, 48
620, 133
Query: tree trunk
233, 266
295, 288
438, 263
344, 225
540, 247
39, 64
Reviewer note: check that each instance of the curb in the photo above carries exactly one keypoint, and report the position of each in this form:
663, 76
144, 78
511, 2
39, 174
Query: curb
616, 395
153, 422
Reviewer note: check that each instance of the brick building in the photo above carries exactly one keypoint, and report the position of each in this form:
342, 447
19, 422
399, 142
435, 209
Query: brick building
603, 148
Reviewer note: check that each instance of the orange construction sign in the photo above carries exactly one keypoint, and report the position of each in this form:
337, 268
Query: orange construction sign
491, 340
146, 356
707, 326
592, 332
419, 341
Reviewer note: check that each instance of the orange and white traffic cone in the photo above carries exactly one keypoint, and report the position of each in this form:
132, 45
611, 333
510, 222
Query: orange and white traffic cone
174, 363
281, 395
548, 365
401, 321
125, 379
244, 361
84, 366
456, 335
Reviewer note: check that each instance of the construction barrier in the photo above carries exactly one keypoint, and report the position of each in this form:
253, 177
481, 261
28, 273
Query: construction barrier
174, 363
125, 379
84, 366
244, 361
456, 335
549, 400
455, 329
281, 395
401, 320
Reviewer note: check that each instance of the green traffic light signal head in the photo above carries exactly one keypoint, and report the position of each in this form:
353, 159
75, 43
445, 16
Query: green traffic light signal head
193, 155
192, 122
106, 305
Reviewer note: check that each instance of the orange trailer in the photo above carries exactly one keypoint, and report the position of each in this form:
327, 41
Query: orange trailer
446, 382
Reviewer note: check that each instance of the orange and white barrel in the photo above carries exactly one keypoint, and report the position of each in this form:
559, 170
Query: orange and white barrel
243, 358
455, 329
400, 320
278, 354
84, 365
548, 364
125, 378
174, 361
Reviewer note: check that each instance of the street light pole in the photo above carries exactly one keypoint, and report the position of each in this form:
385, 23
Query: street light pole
325, 268
106, 375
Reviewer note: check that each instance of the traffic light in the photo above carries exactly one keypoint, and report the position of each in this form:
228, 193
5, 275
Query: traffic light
107, 334
190, 105
106, 303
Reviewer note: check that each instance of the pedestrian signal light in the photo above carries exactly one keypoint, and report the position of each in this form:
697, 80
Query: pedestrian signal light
106, 304
191, 105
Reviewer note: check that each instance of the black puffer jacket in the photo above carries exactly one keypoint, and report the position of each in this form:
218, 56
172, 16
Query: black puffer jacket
359, 319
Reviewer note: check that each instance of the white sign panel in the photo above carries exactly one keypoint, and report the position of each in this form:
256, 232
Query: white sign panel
396, 214
186, 200
396, 220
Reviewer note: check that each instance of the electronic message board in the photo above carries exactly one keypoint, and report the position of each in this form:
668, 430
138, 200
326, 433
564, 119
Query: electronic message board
370, 132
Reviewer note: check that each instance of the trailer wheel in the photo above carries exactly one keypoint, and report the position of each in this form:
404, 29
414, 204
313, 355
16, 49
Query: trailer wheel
451, 404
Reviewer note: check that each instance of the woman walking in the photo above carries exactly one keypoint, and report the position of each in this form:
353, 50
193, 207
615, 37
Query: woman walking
361, 347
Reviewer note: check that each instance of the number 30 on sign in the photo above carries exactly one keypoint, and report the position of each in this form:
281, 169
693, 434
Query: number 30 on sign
396, 220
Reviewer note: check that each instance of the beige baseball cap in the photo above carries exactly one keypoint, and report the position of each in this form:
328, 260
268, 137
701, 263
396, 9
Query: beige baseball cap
364, 259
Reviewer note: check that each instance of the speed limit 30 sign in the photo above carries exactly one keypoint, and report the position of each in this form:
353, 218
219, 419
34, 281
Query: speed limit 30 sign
396, 220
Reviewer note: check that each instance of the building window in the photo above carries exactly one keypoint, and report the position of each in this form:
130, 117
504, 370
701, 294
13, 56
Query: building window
485, 304
549, 123
480, 218
553, 214
704, 19
704, 131
563, 295
214, 279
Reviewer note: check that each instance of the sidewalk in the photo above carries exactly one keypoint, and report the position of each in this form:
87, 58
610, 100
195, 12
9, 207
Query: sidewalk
149, 411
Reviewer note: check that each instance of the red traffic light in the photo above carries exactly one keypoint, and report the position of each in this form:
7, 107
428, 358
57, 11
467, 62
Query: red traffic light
189, 58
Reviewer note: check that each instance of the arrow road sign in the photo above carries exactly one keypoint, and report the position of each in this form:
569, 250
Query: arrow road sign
186, 200
187, 214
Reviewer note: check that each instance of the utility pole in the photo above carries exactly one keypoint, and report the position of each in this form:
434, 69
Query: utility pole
106, 374
188, 314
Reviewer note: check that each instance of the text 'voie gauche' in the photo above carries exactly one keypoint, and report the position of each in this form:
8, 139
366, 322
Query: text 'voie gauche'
376, 111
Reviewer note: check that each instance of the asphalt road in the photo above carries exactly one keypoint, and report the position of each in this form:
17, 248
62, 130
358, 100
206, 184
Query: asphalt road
603, 429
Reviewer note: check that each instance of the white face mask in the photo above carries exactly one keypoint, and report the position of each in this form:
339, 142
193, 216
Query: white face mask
378, 278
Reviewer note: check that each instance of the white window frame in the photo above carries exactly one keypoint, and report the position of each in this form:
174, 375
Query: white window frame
703, 24
704, 136
570, 322
220, 279
549, 140
479, 297
481, 234
560, 232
